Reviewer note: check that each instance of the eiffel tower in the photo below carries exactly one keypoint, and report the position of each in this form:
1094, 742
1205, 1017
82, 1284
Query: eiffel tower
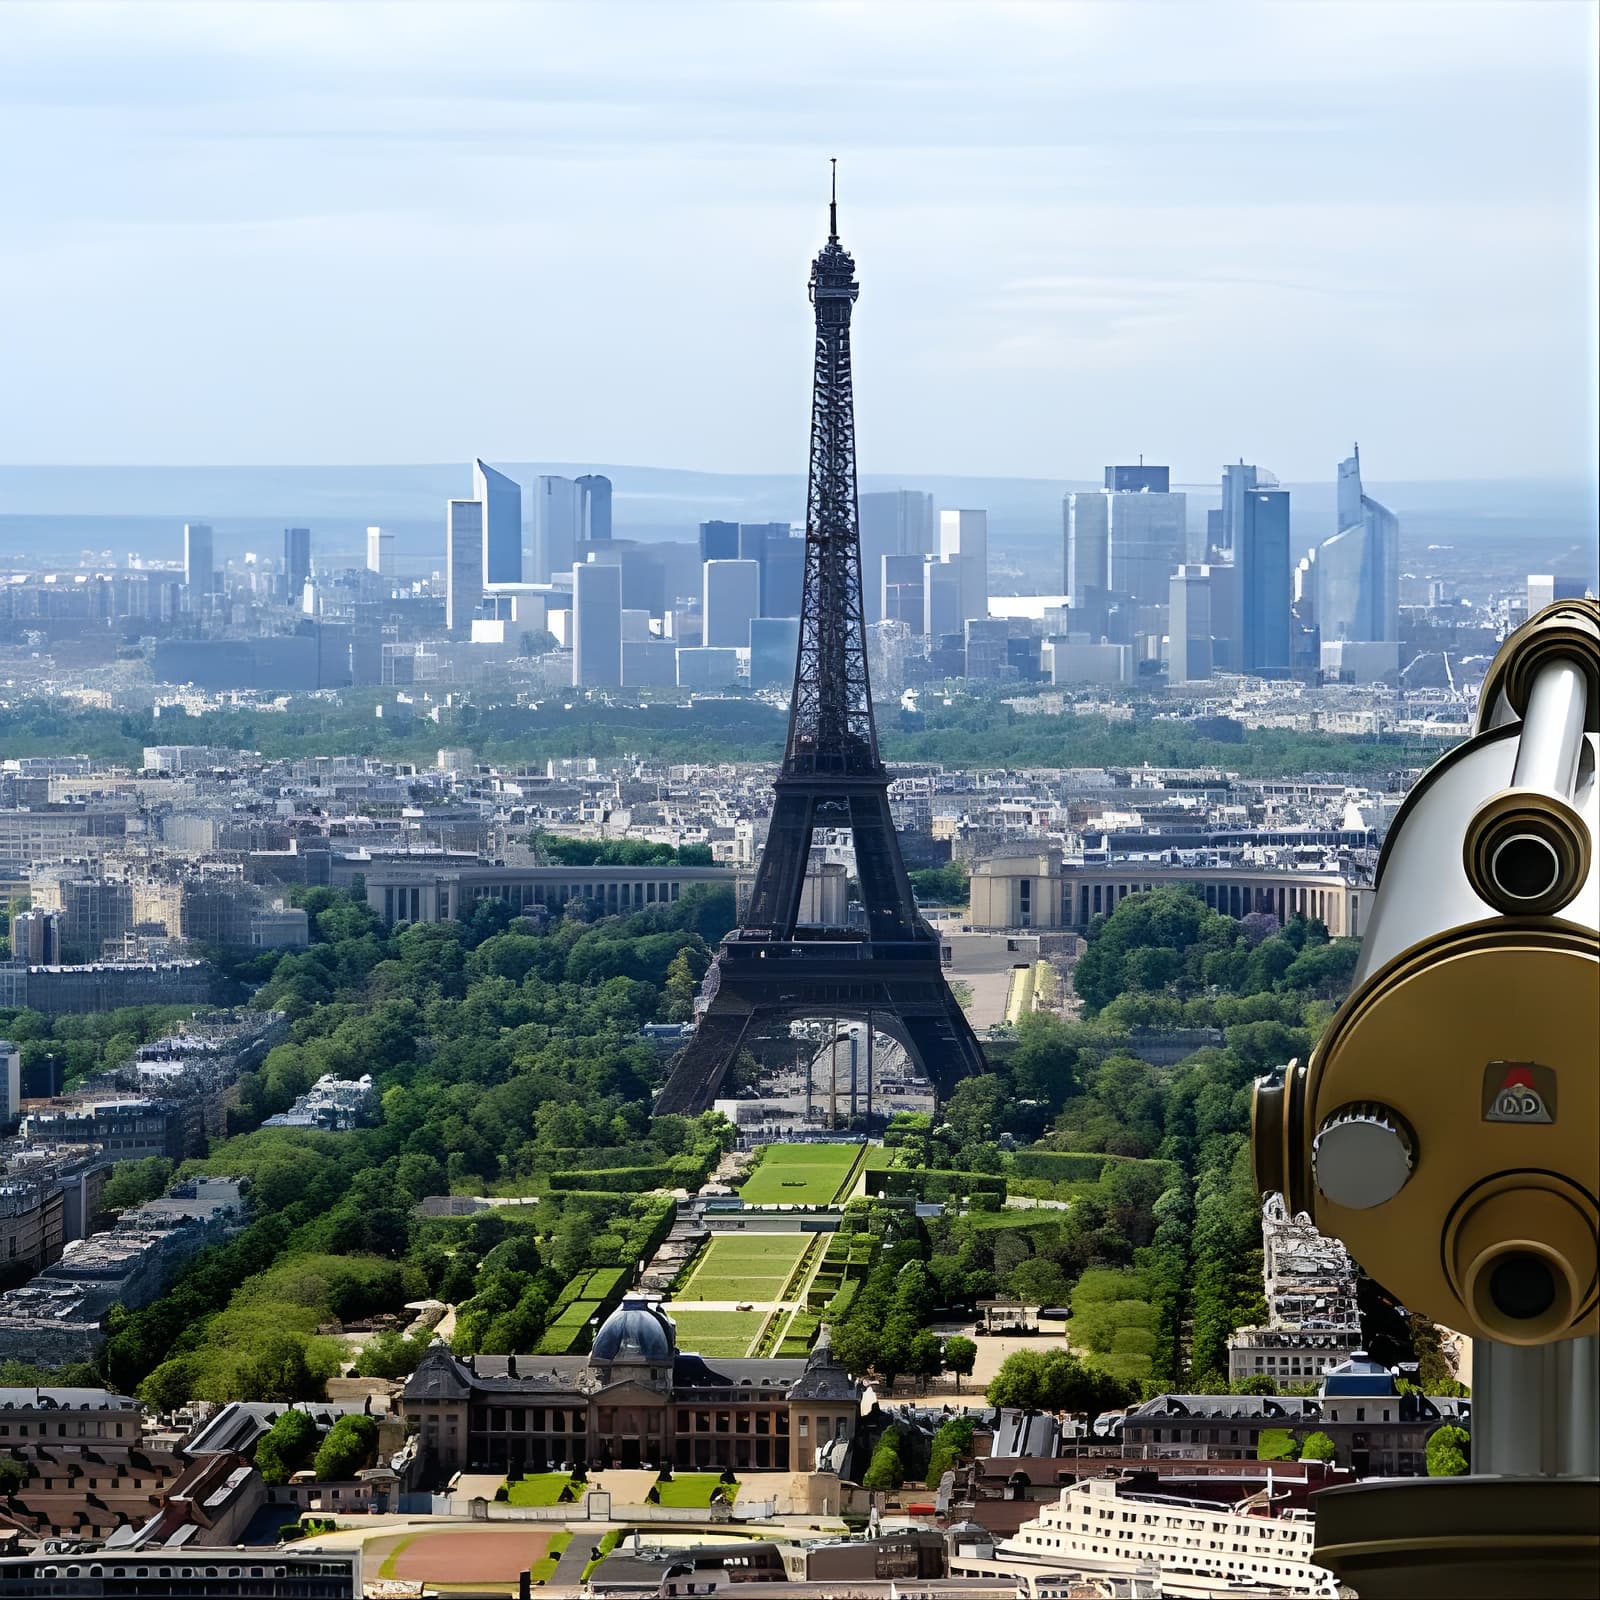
770, 971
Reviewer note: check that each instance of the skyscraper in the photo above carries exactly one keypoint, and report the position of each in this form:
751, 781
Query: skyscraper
719, 541
380, 552
964, 539
894, 522
1147, 539
1265, 582
596, 625
296, 562
1086, 544
557, 526
1237, 481
783, 575
730, 598
1356, 573
900, 589
463, 564
501, 498
941, 597
199, 558
594, 490
1139, 480
774, 644
1189, 626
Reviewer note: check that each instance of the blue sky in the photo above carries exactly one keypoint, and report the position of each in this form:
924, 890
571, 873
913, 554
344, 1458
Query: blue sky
319, 233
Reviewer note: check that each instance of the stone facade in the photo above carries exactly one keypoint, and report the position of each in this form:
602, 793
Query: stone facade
635, 1401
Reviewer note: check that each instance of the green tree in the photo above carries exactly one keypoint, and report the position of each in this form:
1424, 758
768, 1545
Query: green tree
13, 1474
348, 1447
286, 1446
1449, 1452
960, 1356
1318, 1447
885, 1471
132, 1183
950, 1444
1275, 1444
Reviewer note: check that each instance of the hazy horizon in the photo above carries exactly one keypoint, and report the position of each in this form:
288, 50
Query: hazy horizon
407, 234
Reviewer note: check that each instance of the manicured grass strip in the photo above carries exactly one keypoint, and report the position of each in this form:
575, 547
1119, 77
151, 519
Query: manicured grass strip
539, 1489
608, 1542
745, 1266
544, 1569
799, 1174
692, 1491
717, 1333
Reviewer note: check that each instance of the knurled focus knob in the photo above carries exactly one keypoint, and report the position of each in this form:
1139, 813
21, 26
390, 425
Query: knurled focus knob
1362, 1155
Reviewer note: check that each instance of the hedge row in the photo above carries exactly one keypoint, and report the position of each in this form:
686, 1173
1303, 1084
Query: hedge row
1059, 1166
626, 1180
926, 1183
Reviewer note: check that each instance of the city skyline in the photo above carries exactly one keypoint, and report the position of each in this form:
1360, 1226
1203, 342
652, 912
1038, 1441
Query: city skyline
1143, 268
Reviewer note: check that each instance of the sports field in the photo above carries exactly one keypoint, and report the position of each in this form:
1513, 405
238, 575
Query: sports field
799, 1174
745, 1266
456, 1557
716, 1333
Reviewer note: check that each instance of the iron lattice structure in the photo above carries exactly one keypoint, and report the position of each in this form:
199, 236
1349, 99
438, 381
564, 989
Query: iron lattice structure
832, 775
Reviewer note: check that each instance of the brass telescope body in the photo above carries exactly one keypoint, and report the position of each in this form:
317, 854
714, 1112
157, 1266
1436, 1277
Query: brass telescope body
1447, 1129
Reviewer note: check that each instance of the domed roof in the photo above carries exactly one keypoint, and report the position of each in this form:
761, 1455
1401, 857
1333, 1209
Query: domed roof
636, 1331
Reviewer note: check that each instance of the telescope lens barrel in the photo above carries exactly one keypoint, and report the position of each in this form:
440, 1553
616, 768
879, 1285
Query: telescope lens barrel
1551, 740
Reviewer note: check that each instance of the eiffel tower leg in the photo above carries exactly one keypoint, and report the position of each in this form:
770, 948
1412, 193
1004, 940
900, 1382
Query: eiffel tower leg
885, 888
945, 1047
781, 876
699, 1068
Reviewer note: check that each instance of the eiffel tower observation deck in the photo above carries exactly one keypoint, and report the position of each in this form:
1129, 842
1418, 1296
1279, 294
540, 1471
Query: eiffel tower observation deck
772, 970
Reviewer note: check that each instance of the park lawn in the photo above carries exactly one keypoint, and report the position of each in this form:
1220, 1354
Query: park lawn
692, 1491
799, 1174
745, 1266
538, 1489
717, 1333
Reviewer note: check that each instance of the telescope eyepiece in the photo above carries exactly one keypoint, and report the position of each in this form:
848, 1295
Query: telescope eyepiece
1521, 1285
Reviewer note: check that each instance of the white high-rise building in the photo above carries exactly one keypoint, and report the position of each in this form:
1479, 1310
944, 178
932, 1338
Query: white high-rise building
1086, 544
964, 539
731, 597
1189, 626
463, 564
557, 526
380, 552
199, 558
1356, 573
596, 625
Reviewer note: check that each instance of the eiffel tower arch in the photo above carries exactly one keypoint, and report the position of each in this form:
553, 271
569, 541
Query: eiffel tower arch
769, 970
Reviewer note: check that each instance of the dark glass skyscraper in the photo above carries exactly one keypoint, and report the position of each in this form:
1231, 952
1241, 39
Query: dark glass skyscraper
1265, 581
1139, 479
296, 562
719, 541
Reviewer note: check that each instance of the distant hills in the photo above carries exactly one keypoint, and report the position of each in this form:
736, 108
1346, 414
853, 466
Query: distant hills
70, 508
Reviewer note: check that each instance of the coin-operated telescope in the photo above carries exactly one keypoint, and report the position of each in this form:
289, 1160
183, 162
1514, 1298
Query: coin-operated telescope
1447, 1129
